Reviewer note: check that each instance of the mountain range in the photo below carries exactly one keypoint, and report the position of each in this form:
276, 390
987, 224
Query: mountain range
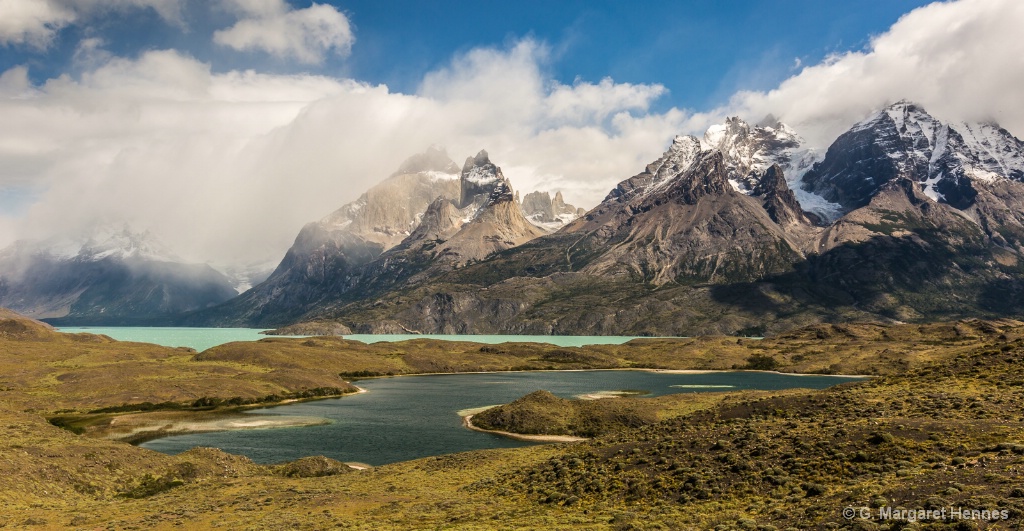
743, 231
427, 218
112, 276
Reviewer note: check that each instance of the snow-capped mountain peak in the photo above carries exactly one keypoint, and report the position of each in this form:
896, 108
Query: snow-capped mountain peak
747, 153
906, 141
546, 212
680, 156
754, 149
483, 183
480, 170
996, 153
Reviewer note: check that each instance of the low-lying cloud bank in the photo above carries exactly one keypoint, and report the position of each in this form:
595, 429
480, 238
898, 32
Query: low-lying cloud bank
228, 166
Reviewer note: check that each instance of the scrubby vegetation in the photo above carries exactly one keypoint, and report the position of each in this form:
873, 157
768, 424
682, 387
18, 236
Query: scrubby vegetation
542, 413
942, 426
944, 436
760, 362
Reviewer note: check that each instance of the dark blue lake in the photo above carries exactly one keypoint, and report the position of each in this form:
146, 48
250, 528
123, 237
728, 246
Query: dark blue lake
409, 417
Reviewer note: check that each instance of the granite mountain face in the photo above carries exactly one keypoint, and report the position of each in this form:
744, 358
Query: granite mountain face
547, 212
328, 255
428, 218
915, 221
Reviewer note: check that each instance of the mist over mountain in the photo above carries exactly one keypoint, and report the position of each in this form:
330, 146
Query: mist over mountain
114, 277
426, 218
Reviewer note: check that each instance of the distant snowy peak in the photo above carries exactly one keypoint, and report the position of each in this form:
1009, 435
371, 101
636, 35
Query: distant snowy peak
548, 213
120, 242
750, 150
995, 152
747, 153
905, 141
125, 244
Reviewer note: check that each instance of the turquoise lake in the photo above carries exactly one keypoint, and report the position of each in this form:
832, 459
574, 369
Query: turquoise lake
411, 417
204, 338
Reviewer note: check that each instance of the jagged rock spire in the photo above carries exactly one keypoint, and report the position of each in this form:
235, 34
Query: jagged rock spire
483, 183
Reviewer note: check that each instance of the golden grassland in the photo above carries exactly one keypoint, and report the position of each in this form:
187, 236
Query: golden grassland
943, 424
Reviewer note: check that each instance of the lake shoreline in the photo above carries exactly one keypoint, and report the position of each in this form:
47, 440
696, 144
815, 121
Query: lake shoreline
467, 421
642, 369
138, 427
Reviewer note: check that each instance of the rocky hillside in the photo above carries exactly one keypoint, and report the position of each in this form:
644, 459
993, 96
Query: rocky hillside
327, 255
692, 224
426, 219
542, 413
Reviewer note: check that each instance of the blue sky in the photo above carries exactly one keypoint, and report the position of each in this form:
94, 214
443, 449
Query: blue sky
223, 126
701, 51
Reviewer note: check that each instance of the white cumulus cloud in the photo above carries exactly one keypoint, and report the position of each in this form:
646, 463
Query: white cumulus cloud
274, 27
228, 166
961, 60
36, 22
32, 22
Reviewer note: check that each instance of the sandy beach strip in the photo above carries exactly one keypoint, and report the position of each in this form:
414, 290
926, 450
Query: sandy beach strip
712, 371
148, 426
467, 421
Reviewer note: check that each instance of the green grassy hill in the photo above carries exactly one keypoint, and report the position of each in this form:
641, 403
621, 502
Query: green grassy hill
542, 413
